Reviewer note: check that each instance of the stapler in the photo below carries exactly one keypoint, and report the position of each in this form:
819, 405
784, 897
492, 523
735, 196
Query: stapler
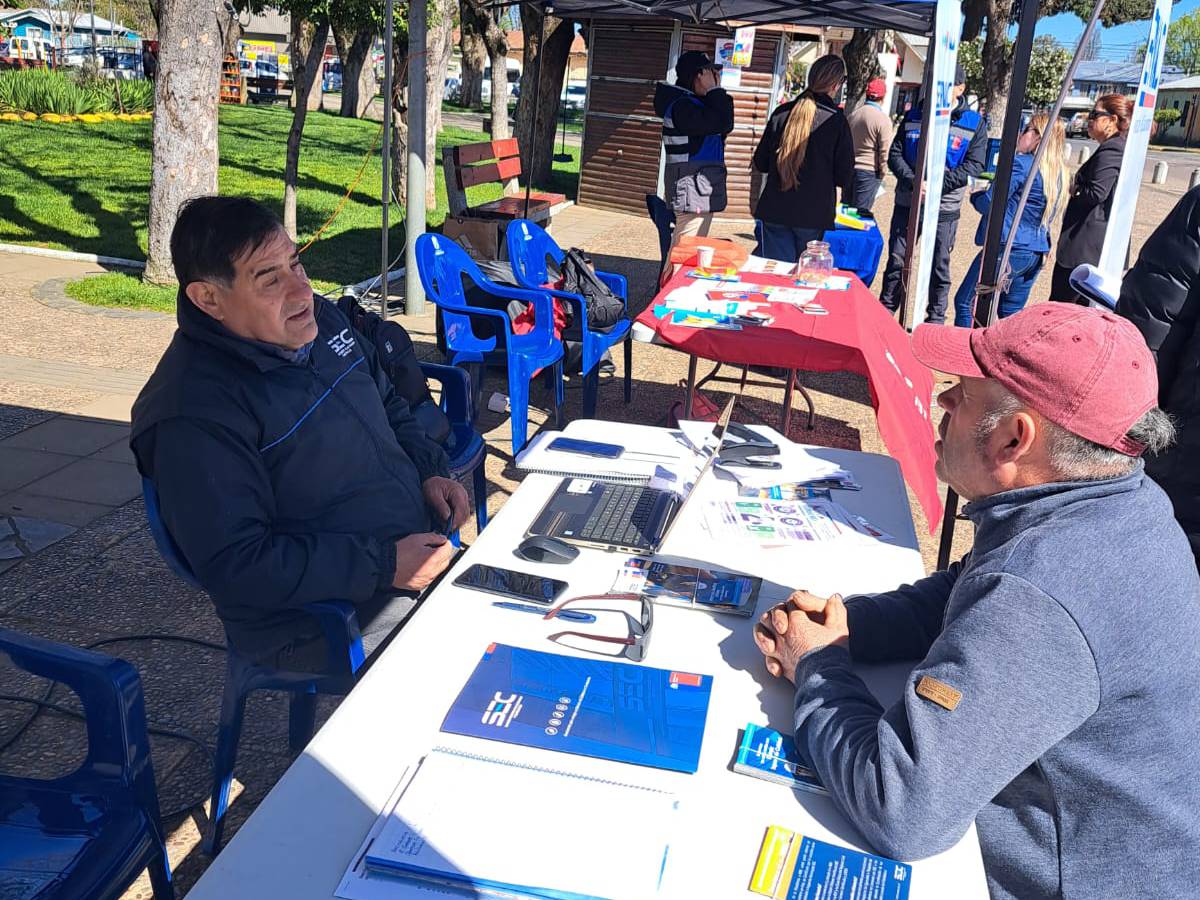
749, 456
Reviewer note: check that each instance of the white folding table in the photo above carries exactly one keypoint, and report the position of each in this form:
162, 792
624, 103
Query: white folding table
299, 841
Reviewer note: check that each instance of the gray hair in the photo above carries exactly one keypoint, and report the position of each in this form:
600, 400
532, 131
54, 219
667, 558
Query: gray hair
1074, 458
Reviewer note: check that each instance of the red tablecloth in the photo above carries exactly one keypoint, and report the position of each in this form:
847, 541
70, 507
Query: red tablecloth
857, 335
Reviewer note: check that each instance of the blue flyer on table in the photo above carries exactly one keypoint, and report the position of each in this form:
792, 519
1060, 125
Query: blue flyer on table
767, 754
591, 707
794, 867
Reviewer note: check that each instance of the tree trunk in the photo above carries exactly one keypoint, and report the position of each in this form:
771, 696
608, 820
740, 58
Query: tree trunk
474, 53
358, 78
184, 157
496, 44
996, 59
399, 175
541, 105
438, 45
308, 46
862, 63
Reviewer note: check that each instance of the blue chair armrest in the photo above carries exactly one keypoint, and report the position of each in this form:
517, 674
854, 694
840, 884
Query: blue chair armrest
480, 311
616, 283
456, 391
339, 625
111, 694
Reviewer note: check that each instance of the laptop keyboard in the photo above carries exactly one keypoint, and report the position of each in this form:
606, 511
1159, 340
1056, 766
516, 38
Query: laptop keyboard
621, 515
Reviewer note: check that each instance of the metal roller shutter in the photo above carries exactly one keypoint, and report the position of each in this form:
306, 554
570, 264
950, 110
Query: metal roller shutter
622, 136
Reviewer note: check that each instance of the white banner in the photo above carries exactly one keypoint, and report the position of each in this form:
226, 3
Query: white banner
1125, 194
948, 28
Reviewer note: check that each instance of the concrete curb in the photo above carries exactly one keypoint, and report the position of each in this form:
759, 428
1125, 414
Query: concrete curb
72, 255
53, 293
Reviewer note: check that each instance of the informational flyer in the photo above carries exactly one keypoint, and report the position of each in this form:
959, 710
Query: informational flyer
708, 589
796, 867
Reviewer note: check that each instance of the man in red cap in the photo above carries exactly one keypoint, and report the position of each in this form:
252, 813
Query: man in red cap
1057, 698
871, 129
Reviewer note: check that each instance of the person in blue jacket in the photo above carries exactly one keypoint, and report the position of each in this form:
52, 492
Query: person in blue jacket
288, 469
1047, 198
966, 156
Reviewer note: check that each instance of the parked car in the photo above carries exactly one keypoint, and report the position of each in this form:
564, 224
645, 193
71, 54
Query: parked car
331, 78
514, 78
1078, 126
575, 96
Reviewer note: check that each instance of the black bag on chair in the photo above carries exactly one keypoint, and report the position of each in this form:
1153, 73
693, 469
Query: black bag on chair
604, 308
399, 360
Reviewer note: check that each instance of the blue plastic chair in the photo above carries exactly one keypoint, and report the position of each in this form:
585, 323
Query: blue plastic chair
529, 246
443, 265
92, 832
466, 447
338, 624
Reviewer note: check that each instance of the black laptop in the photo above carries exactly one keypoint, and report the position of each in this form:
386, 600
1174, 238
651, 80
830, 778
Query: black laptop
592, 512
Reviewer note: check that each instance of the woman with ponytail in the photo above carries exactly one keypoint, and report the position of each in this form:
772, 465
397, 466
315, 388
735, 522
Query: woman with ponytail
806, 152
1086, 218
1047, 199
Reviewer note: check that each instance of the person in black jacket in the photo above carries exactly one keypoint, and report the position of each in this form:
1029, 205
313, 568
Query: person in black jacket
966, 156
1161, 296
807, 152
697, 113
1085, 219
288, 470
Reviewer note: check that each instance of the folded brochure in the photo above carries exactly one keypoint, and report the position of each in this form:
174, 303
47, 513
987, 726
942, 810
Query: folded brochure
794, 867
592, 707
767, 754
711, 590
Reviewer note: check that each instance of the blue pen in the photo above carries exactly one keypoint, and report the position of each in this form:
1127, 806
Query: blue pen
569, 614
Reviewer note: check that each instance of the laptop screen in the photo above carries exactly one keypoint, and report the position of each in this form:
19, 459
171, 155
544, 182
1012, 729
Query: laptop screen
707, 454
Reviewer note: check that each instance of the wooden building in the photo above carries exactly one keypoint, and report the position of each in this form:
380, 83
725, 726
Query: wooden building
622, 137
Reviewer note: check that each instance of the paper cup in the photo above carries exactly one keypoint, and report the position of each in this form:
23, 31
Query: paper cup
704, 257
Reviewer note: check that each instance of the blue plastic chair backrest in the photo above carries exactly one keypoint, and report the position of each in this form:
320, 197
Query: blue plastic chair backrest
111, 693
528, 247
441, 263
167, 547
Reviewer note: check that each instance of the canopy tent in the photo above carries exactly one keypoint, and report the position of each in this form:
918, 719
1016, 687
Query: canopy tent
912, 16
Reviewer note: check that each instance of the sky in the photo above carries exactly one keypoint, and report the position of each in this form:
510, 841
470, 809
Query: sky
1115, 43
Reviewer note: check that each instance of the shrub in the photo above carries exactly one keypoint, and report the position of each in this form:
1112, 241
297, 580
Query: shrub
41, 91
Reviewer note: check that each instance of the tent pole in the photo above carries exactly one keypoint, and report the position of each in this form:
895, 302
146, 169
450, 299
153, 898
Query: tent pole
385, 195
989, 275
914, 209
537, 105
414, 217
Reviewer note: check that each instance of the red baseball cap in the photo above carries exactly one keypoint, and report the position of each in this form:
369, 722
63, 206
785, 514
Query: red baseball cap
1086, 370
876, 88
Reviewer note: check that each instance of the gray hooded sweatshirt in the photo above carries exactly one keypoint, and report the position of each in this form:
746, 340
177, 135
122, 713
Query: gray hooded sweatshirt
1060, 709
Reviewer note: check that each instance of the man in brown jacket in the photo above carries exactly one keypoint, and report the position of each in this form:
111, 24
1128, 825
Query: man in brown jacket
871, 129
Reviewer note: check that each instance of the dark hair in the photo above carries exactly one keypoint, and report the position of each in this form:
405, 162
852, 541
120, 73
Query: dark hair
1119, 107
212, 233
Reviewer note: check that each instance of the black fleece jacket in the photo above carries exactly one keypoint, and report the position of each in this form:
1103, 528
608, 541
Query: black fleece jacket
284, 478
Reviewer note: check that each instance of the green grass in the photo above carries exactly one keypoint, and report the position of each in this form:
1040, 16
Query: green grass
125, 291
86, 188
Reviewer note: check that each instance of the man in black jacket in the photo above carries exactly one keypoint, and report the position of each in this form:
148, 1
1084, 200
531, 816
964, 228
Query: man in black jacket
697, 113
1161, 296
288, 470
966, 157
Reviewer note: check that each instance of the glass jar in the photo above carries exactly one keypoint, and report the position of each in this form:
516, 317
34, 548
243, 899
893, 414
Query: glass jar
816, 264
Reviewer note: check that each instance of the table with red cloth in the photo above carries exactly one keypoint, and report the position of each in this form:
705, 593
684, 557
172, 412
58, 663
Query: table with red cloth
857, 335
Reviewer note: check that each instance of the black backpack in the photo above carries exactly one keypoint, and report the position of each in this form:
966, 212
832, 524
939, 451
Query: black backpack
604, 308
398, 358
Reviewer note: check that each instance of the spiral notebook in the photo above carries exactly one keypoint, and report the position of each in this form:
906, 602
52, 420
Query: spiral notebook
506, 829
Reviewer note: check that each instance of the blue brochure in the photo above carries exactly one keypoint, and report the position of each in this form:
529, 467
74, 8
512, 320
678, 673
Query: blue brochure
591, 707
767, 754
791, 866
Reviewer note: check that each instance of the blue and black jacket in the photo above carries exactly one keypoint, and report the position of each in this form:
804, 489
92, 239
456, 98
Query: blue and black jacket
694, 130
966, 156
284, 478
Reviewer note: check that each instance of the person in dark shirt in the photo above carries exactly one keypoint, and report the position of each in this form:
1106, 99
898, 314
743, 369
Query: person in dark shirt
288, 469
1085, 219
807, 152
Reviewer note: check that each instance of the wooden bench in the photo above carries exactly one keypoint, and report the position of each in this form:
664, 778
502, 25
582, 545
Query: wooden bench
494, 162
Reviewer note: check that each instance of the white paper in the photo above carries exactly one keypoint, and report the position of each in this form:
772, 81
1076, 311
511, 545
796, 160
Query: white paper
436, 825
